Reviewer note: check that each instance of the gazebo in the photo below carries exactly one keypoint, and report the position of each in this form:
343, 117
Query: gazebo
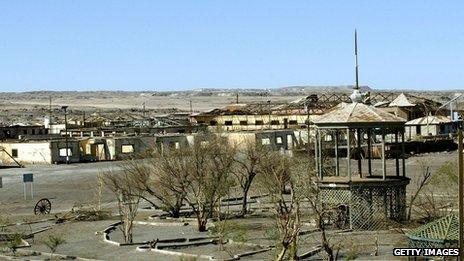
353, 142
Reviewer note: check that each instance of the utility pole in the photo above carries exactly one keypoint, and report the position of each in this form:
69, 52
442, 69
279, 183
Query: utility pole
191, 107
236, 101
65, 108
461, 199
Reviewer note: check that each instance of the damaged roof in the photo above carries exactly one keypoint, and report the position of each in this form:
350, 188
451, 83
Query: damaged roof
401, 101
434, 120
358, 114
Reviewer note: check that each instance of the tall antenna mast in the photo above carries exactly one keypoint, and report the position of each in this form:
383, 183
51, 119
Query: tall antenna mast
356, 57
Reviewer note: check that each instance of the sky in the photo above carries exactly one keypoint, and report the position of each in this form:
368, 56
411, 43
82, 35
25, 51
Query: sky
180, 45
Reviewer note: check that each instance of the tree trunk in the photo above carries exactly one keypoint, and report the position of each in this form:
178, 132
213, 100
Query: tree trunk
201, 225
245, 201
281, 254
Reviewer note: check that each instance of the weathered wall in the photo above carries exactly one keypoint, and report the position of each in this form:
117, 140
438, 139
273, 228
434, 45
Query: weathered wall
28, 153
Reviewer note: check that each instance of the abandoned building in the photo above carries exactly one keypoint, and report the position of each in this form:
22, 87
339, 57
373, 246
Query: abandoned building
429, 126
363, 193
18, 131
38, 151
409, 107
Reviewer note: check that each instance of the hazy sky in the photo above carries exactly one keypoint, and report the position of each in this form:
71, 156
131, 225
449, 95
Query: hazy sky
176, 45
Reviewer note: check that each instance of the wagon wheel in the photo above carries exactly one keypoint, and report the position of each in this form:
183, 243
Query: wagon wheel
42, 207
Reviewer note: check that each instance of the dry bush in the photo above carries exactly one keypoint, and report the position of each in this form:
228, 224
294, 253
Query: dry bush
128, 196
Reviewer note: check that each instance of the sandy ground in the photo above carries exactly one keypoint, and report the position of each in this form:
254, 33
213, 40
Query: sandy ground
75, 184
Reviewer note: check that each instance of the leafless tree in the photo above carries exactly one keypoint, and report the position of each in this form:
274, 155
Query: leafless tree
421, 182
308, 182
438, 197
128, 196
248, 162
276, 175
210, 161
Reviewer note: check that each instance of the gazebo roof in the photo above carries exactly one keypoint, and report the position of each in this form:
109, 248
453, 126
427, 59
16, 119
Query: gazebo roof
441, 230
358, 115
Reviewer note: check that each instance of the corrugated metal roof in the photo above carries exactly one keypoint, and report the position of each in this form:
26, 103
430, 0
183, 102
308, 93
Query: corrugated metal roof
358, 113
429, 120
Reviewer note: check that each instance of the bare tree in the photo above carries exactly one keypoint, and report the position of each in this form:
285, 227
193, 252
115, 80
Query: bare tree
438, 197
308, 182
162, 176
248, 162
421, 182
128, 196
275, 175
210, 161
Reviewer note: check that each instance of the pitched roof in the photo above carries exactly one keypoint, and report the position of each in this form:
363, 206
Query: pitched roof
434, 120
358, 114
440, 230
401, 101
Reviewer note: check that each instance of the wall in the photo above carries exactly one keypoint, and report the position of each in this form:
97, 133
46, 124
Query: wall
28, 153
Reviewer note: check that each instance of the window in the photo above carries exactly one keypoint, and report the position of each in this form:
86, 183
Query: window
228, 123
418, 129
63, 152
14, 153
127, 148
293, 122
24, 132
177, 145
265, 141
275, 122
213, 123
244, 123
259, 123
279, 140
33, 132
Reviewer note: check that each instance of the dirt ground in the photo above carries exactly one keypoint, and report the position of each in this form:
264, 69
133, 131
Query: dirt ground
75, 184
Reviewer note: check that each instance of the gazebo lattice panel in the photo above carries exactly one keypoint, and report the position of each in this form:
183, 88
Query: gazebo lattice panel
370, 207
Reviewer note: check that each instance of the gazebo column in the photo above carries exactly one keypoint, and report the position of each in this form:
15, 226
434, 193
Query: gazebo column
316, 151
348, 153
397, 158
337, 164
384, 165
358, 136
403, 154
369, 151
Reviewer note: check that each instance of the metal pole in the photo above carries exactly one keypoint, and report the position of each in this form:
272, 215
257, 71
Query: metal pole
337, 164
397, 159
369, 152
461, 199
403, 154
25, 196
309, 147
65, 108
